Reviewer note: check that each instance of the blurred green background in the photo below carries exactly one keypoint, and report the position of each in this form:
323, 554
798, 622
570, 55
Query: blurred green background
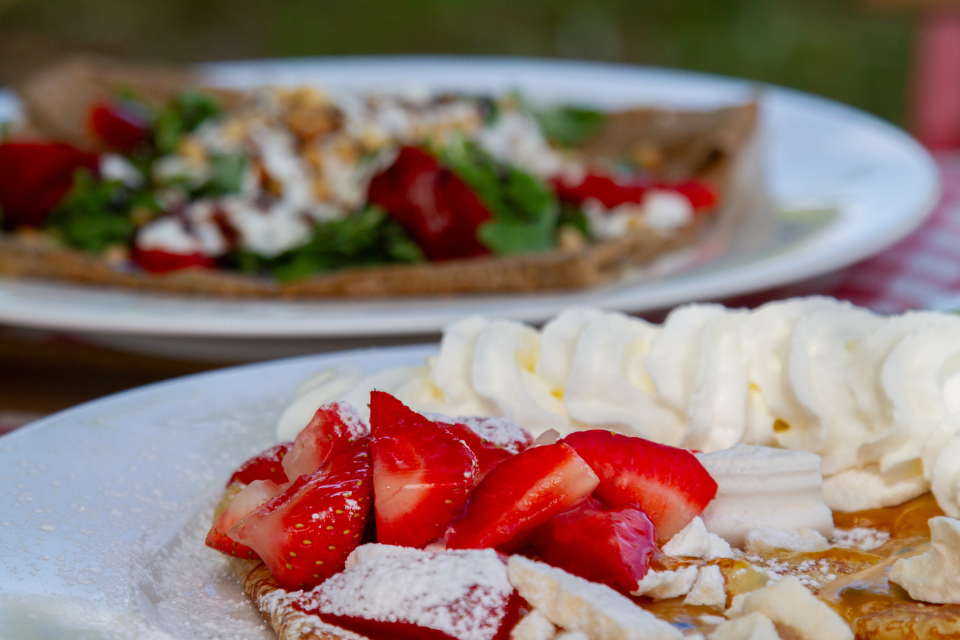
836, 48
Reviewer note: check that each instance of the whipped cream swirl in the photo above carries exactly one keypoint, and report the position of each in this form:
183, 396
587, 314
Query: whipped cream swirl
876, 397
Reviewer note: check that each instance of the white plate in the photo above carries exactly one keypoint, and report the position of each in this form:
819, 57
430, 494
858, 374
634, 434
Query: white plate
103, 507
817, 153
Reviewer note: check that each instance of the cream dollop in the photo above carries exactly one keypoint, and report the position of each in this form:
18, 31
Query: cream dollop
875, 397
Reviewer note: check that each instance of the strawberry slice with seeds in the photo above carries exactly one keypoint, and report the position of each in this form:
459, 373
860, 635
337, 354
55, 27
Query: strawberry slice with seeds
263, 466
305, 534
333, 428
610, 546
246, 501
669, 484
491, 439
520, 494
422, 473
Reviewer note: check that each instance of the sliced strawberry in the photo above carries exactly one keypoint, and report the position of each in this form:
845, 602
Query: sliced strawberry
247, 500
458, 595
263, 466
305, 534
333, 428
488, 455
422, 473
158, 261
520, 494
669, 484
611, 546
119, 124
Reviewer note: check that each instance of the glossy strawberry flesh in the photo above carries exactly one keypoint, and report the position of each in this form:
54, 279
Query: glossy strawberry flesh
249, 499
669, 484
439, 211
520, 494
612, 192
422, 473
488, 454
610, 546
263, 466
34, 178
119, 126
305, 534
158, 261
333, 428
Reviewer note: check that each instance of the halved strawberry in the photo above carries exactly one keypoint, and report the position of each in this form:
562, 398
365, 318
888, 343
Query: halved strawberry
330, 432
263, 466
491, 439
520, 494
611, 546
669, 484
305, 534
246, 501
422, 473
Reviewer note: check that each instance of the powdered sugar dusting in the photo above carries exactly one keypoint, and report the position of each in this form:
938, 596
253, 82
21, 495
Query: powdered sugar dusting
862, 538
461, 593
498, 431
356, 426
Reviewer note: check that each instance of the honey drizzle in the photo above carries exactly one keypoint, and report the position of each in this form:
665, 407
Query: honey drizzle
853, 595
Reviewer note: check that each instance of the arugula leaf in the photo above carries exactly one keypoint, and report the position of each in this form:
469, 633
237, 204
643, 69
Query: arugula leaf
525, 209
368, 237
572, 215
567, 126
226, 176
96, 214
180, 116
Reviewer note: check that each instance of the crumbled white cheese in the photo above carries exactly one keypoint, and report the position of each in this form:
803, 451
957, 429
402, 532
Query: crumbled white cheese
116, 167
791, 605
933, 576
765, 541
694, 541
576, 604
661, 585
665, 210
755, 626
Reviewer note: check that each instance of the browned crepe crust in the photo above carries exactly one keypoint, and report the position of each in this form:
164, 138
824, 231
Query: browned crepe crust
675, 144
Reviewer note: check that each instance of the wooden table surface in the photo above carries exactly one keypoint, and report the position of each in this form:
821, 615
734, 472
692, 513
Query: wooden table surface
41, 373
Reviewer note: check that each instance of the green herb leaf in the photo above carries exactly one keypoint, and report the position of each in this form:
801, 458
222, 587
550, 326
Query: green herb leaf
181, 116
524, 208
368, 237
569, 126
226, 175
572, 216
94, 215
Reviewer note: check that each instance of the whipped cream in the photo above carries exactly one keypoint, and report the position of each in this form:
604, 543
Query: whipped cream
933, 576
762, 487
767, 541
709, 590
575, 604
754, 626
694, 541
788, 604
533, 626
875, 397
661, 585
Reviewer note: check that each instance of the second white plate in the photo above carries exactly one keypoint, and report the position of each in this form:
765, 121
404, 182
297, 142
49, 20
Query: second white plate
818, 154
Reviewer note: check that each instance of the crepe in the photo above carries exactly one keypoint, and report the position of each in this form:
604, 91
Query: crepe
707, 145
